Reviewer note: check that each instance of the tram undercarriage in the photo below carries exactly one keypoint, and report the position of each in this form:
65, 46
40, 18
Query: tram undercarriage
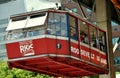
57, 66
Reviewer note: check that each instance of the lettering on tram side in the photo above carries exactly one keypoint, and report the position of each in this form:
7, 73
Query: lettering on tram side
85, 53
74, 50
104, 61
88, 55
26, 48
92, 56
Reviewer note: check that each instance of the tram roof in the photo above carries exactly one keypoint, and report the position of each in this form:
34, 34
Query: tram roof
21, 24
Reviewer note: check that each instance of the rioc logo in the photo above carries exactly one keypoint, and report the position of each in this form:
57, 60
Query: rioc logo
26, 48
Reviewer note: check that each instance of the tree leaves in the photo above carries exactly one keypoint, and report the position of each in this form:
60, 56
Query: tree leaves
18, 73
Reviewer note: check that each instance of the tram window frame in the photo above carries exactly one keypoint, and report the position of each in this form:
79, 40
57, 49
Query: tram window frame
38, 28
36, 32
24, 33
14, 34
94, 40
58, 23
102, 44
84, 32
73, 25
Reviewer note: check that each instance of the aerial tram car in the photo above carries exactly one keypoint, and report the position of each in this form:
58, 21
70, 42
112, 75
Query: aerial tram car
57, 43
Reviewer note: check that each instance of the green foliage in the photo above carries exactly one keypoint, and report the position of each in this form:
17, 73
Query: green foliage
117, 72
94, 77
18, 73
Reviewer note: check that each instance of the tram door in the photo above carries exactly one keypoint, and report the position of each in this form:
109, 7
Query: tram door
57, 28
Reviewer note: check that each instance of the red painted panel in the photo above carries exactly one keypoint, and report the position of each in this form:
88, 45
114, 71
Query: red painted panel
85, 53
103, 61
26, 48
51, 45
40, 46
36, 47
64, 49
75, 51
13, 50
57, 46
95, 56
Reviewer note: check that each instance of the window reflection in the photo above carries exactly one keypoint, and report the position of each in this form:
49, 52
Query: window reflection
93, 37
30, 33
57, 24
83, 32
17, 34
101, 38
73, 30
36, 32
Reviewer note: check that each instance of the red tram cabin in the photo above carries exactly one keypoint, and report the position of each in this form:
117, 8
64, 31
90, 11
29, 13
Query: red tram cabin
57, 43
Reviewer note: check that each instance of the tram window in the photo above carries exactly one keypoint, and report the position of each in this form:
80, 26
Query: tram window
57, 24
13, 35
93, 37
63, 29
42, 32
36, 32
102, 41
29, 33
53, 29
22, 34
48, 31
72, 23
58, 28
83, 32
9, 36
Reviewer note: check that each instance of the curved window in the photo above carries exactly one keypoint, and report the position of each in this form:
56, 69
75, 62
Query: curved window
36, 32
26, 33
57, 24
15, 35
84, 32
93, 37
102, 40
29, 33
73, 26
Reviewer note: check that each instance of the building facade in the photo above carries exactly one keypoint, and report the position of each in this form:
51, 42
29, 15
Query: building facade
7, 8
116, 38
